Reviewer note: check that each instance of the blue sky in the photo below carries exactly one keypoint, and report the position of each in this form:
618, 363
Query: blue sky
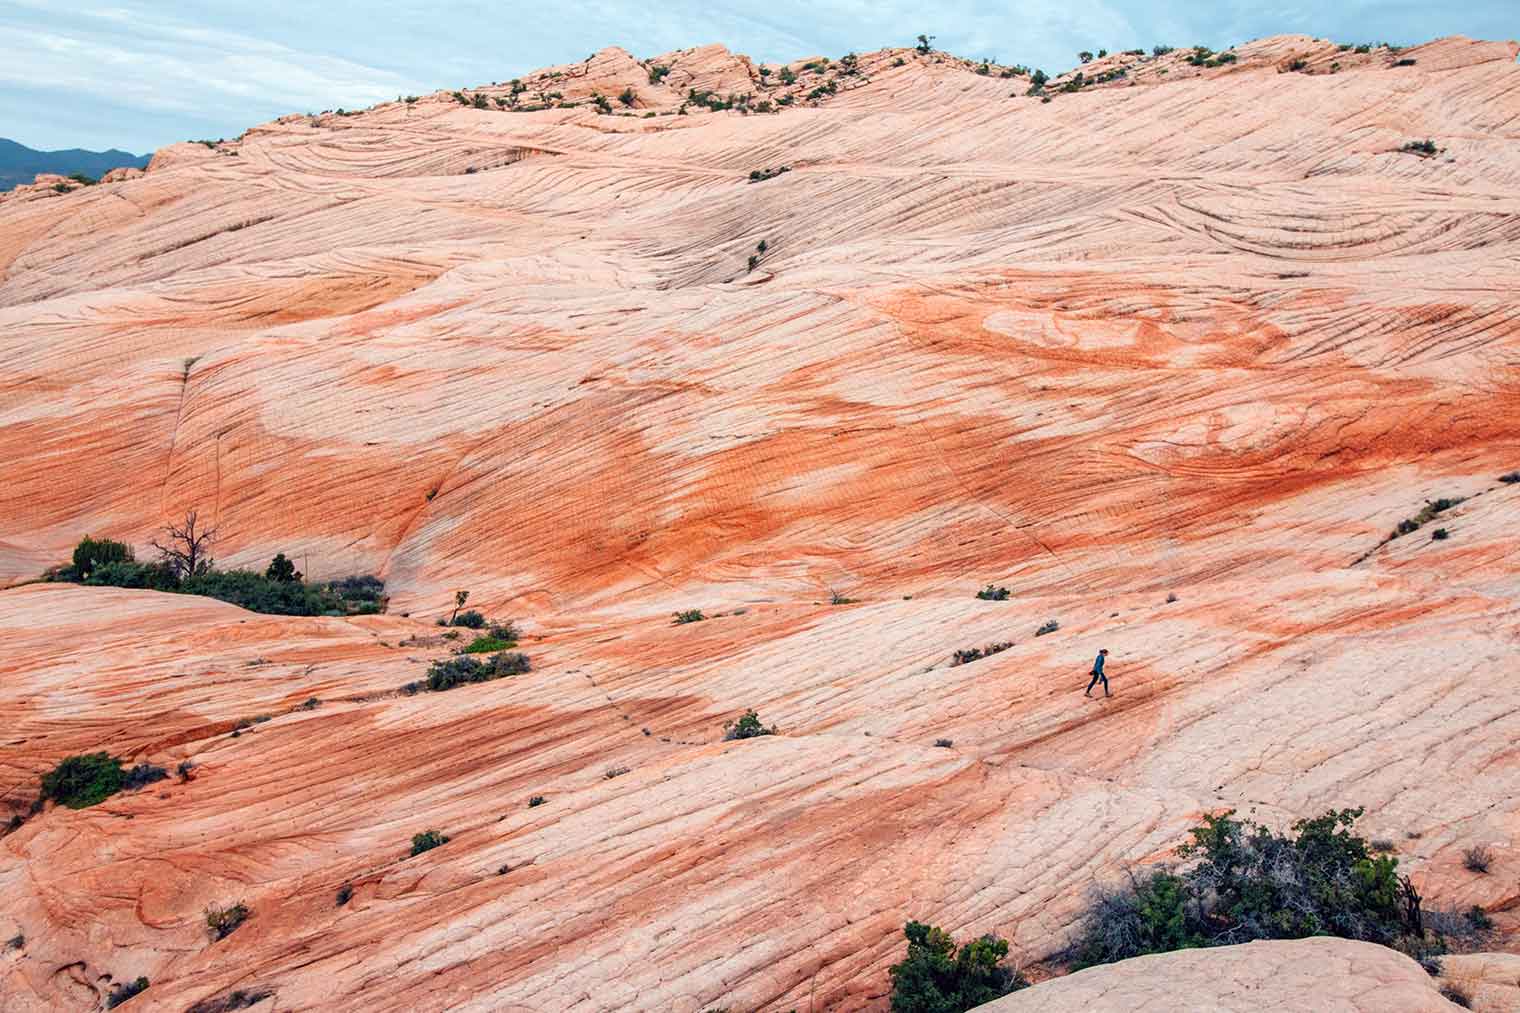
138, 75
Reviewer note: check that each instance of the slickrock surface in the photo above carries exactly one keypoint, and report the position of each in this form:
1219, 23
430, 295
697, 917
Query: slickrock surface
1324, 975
1206, 334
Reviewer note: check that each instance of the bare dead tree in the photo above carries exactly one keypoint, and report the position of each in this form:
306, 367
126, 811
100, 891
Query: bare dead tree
186, 549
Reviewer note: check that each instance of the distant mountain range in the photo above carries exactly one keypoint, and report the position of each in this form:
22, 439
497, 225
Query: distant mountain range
19, 164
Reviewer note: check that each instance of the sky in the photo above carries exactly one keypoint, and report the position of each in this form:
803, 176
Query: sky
138, 75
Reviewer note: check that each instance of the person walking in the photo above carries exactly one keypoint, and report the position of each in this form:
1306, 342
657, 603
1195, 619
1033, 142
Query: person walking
1097, 674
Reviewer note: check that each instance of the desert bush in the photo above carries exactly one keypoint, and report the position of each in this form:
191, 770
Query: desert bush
1427, 513
1477, 858
1425, 147
447, 673
427, 841
184, 769
836, 598
128, 573
1084, 57
1440, 535
601, 103
82, 781
1297, 65
1248, 882
1049, 627
657, 73
258, 593
944, 743
754, 261
1160, 50
237, 999
612, 772
536, 801
221, 922
937, 976
1407, 61
143, 775
1511, 478
747, 727
345, 894
487, 644
1455, 993
126, 990
761, 175
971, 654
91, 553
470, 619
923, 44
281, 569
689, 616
627, 97
990, 593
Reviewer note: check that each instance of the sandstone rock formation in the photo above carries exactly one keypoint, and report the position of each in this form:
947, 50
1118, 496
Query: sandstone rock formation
1170, 356
1326, 975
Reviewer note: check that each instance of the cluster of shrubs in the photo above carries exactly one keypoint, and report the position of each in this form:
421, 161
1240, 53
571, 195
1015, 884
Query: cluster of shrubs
447, 673
747, 727
975, 653
1425, 147
1431, 509
939, 976
1511, 478
89, 779
689, 616
990, 593
1248, 882
279, 590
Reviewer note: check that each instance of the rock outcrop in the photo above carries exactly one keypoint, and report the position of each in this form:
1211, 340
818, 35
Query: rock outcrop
1325, 975
1170, 355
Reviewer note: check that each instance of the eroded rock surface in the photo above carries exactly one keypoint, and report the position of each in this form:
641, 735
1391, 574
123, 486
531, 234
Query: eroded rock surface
1205, 336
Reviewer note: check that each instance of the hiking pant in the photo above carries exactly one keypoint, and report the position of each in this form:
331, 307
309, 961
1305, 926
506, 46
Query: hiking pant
1096, 677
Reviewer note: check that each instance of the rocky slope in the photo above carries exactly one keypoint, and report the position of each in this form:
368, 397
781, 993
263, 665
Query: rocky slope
1168, 355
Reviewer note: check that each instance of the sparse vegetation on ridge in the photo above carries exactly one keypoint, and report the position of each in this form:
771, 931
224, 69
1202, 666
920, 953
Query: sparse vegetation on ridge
126, 990
968, 655
186, 567
82, 781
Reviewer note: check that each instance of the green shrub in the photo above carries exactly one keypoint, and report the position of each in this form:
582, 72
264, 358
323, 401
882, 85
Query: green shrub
943, 743
1248, 882
127, 573
657, 73
990, 593
282, 569
448, 673
1511, 478
936, 976
536, 801
612, 772
221, 922
788, 76
143, 775
1425, 147
91, 553
427, 841
469, 619
689, 616
126, 990
747, 727
971, 654
1049, 627
923, 44
627, 97
82, 781
761, 175
487, 644
1440, 535
1160, 50
257, 593
1427, 513
345, 894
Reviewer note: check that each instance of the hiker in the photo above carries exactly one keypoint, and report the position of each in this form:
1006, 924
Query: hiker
1097, 674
